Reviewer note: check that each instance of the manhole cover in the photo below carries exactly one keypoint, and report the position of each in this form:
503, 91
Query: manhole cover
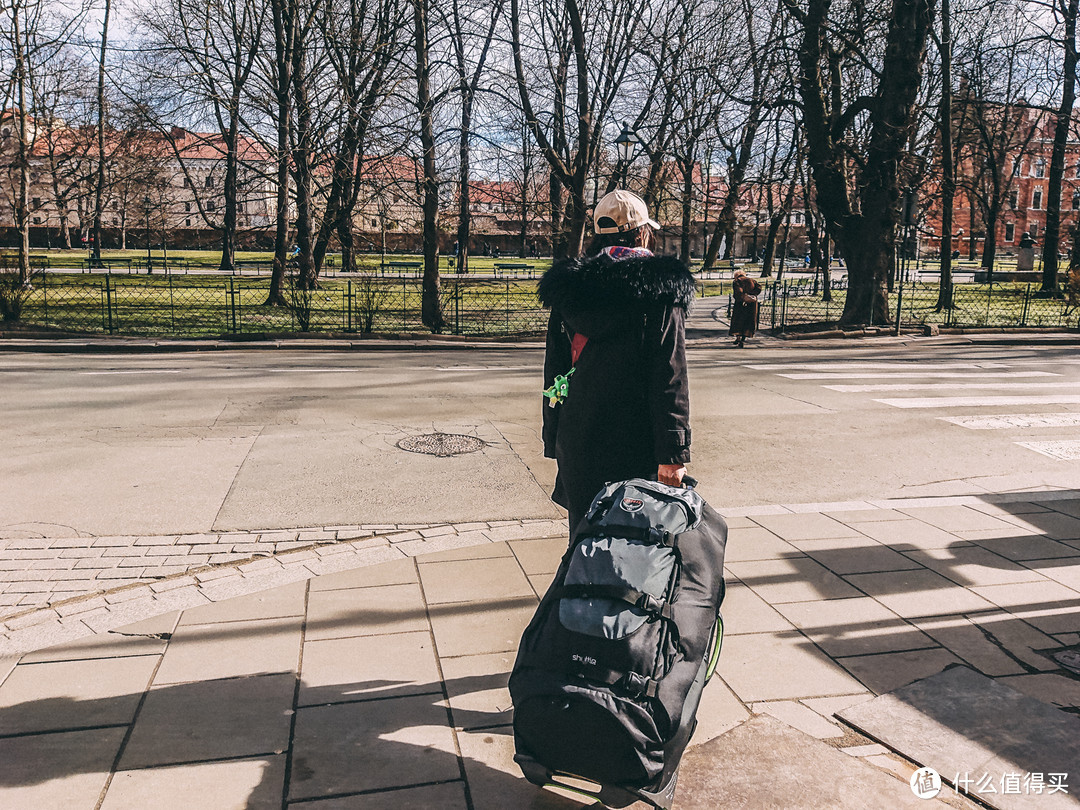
441, 444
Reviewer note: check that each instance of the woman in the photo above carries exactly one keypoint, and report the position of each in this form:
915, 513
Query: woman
618, 403
744, 307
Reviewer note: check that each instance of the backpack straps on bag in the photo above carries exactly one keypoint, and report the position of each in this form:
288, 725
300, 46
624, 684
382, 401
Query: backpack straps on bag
632, 682
656, 608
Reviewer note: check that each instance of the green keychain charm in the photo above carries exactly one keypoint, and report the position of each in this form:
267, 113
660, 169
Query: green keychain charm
560, 390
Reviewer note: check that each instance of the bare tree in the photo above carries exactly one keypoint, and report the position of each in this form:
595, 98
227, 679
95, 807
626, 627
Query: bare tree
857, 132
32, 34
1065, 12
585, 79
207, 53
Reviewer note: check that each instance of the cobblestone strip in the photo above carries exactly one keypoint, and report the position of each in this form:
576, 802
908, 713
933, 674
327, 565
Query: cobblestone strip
35, 572
97, 611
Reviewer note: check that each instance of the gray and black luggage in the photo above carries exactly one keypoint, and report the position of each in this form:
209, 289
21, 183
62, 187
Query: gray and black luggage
611, 668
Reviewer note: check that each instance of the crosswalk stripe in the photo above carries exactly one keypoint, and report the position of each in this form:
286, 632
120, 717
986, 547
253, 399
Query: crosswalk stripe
904, 375
1062, 450
1007, 421
950, 386
980, 402
879, 365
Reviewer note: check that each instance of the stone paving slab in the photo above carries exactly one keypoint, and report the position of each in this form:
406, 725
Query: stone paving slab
767, 763
965, 726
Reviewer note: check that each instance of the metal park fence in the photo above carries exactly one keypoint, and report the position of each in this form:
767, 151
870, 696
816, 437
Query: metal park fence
798, 304
201, 306
193, 306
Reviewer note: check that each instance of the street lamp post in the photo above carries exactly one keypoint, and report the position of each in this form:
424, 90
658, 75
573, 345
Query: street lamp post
625, 145
146, 208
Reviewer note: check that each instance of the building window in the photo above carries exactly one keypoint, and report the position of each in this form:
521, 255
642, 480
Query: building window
36, 202
115, 221
187, 207
187, 222
187, 182
37, 220
1033, 229
1010, 231
1016, 169
211, 205
1014, 199
1036, 199
798, 218
1040, 168
1076, 201
209, 181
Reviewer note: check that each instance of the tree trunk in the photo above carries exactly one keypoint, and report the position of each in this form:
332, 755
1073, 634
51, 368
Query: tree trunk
306, 271
687, 167
284, 34
99, 185
948, 171
989, 255
228, 225
1052, 233
464, 214
431, 306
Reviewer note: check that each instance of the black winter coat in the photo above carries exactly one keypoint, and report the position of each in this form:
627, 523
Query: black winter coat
628, 406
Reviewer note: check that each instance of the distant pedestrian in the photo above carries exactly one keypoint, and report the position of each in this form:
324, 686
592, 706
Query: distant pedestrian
744, 307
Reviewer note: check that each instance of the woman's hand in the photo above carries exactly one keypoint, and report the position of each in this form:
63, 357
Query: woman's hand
670, 474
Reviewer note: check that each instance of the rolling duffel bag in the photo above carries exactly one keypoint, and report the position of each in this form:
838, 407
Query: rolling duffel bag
612, 666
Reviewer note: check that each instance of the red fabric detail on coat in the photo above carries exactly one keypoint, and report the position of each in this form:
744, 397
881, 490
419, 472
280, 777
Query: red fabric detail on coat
577, 344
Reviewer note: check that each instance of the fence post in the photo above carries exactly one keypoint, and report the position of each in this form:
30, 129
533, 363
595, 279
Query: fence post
989, 295
772, 287
238, 308
1024, 309
899, 304
108, 299
172, 307
404, 324
457, 306
348, 306
45, 293
783, 311
508, 306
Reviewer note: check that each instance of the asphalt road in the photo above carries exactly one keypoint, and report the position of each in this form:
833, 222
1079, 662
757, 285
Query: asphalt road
111, 444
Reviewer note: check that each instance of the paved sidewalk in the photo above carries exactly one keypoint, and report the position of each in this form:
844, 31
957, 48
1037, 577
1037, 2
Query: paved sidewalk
379, 681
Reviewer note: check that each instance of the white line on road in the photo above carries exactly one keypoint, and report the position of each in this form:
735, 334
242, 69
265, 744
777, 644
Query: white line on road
950, 386
979, 402
137, 371
898, 364
1006, 421
1063, 450
903, 375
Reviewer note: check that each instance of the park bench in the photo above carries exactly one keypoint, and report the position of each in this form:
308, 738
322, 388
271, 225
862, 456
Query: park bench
401, 267
258, 266
513, 268
106, 264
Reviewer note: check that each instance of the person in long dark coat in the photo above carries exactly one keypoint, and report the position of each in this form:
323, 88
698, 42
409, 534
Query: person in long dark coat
617, 320
744, 307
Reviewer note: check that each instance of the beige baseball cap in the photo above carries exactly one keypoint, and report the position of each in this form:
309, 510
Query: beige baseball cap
623, 211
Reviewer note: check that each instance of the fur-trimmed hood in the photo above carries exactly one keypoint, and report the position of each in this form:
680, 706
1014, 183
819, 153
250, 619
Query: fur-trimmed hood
593, 282
599, 296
